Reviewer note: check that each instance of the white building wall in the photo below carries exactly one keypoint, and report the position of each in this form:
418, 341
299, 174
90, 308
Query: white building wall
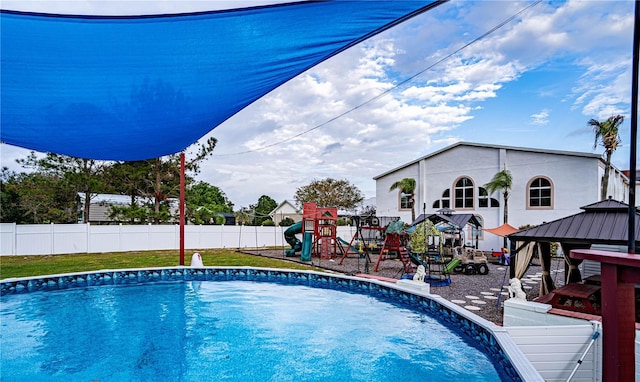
574, 182
477, 163
388, 202
575, 179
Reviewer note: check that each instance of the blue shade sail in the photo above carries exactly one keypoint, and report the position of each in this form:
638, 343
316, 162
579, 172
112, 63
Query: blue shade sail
139, 87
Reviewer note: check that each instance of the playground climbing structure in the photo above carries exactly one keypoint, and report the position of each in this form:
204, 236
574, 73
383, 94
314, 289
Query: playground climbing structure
319, 231
395, 246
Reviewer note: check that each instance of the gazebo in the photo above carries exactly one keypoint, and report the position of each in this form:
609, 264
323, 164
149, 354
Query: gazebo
604, 222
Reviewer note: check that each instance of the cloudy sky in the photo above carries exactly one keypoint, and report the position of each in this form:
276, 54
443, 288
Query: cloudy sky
506, 72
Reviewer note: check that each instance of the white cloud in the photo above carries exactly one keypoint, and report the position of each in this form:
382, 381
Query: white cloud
540, 118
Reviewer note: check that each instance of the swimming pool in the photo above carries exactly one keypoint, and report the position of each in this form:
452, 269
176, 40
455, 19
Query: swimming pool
260, 324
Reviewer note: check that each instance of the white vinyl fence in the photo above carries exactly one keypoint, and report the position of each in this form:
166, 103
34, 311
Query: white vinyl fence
52, 239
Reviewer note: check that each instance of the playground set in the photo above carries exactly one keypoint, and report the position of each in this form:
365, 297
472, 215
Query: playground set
389, 238
318, 228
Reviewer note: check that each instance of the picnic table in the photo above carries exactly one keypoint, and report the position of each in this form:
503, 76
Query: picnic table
581, 298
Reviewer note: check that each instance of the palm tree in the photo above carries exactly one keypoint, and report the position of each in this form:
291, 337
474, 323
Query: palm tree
607, 133
502, 180
408, 187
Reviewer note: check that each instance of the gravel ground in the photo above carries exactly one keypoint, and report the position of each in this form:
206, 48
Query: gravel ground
478, 293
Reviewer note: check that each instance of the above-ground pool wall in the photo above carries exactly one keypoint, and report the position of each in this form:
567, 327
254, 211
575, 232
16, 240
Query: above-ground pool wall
494, 341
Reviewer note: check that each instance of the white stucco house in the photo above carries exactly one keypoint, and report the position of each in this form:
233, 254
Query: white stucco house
547, 185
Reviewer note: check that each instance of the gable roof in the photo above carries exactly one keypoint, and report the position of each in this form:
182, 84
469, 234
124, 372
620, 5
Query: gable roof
604, 222
491, 146
282, 204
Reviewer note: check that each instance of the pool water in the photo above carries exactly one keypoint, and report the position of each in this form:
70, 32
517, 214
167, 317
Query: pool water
227, 331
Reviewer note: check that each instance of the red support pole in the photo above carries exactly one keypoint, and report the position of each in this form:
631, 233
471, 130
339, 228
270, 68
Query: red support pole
182, 209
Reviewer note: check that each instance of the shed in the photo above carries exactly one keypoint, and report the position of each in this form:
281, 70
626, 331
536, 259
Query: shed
229, 218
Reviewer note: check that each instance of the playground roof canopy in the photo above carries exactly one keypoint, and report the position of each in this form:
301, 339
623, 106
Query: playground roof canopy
457, 220
140, 87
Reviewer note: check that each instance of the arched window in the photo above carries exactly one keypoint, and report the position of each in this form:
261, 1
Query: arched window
463, 194
484, 200
540, 193
446, 198
445, 202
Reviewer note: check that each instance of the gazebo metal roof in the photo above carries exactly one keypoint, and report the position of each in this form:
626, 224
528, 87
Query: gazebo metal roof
604, 222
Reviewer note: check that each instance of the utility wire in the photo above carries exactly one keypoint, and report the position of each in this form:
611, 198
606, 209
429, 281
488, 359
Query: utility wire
400, 84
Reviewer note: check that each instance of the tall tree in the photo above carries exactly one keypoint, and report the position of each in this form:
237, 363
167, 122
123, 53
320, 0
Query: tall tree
407, 186
37, 197
131, 179
243, 216
502, 180
157, 179
330, 193
166, 171
85, 175
261, 210
204, 202
10, 209
606, 133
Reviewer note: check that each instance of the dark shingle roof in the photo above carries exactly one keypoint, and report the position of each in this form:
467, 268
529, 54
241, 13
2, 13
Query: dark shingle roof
605, 222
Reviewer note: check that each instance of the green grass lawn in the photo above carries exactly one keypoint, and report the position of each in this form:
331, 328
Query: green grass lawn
26, 266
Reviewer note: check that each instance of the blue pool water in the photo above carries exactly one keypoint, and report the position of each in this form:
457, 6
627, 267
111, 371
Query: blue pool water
227, 331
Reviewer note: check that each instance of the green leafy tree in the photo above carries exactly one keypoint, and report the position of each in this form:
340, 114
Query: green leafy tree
244, 216
408, 187
502, 181
36, 198
158, 180
10, 209
131, 179
166, 171
84, 175
261, 210
330, 193
606, 133
132, 214
424, 234
286, 222
204, 203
